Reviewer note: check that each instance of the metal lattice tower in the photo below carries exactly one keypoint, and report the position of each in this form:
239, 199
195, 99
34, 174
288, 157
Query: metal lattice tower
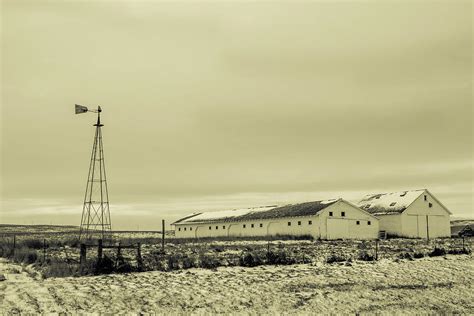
95, 221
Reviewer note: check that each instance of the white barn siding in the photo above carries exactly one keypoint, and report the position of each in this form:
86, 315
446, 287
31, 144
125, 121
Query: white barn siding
420, 220
346, 227
391, 223
320, 225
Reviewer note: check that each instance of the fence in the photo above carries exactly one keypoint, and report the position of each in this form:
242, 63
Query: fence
91, 258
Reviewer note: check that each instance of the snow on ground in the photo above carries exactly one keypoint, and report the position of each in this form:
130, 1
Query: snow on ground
428, 285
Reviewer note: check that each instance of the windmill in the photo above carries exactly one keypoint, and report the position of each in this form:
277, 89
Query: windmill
95, 220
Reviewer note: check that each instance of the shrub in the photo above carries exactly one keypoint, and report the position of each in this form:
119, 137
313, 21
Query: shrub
280, 257
418, 255
250, 259
25, 255
33, 243
365, 256
462, 251
59, 269
188, 262
106, 265
217, 248
405, 255
208, 262
173, 262
437, 252
335, 258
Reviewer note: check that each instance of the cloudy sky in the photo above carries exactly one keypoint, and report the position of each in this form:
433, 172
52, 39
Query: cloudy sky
210, 105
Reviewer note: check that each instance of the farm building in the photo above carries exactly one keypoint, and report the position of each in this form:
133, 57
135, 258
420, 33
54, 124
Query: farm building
329, 219
415, 214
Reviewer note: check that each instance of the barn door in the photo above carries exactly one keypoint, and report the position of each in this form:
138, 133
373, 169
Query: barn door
422, 226
337, 228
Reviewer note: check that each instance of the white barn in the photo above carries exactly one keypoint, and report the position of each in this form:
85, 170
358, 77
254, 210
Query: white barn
414, 214
329, 219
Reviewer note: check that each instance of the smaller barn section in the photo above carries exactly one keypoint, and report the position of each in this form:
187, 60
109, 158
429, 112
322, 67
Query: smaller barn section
328, 219
414, 214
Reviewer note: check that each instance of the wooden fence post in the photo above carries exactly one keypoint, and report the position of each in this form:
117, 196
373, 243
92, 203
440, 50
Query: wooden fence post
44, 249
463, 244
82, 260
14, 244
376, 249
99, 252
163, 235
139, 256
119, 255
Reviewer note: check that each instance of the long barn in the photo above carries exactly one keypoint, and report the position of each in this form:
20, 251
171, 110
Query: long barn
328, 219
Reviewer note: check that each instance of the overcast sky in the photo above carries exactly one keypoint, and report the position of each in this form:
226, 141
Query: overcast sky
211, 105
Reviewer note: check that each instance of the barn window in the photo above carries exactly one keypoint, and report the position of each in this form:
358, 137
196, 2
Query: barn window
310, 222
343, 214
393, 203
261, 225
179, 229
184, 228
369, 223
330, 213
289, 223
358, 222
217, 227
209, 227
223, 227
299, 223
252, 225
430, 204
243, 225
190, 228
426, 198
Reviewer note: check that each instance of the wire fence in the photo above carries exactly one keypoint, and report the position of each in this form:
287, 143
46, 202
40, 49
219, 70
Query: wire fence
77, 258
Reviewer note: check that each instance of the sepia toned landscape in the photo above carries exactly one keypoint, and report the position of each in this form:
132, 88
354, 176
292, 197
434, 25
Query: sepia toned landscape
236, 157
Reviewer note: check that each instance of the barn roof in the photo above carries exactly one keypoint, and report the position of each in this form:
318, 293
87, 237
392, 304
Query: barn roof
388, 203
265, 212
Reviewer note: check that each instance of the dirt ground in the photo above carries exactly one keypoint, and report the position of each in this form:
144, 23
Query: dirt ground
439, 285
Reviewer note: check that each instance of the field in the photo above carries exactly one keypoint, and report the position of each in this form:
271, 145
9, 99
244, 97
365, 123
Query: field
429, 285
239, 276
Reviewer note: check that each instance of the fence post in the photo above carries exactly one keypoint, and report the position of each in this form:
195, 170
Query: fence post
139, 256
99, 252
82, 259
119, 255
463, 244
44, 250
376, 249
163, 235
14, 244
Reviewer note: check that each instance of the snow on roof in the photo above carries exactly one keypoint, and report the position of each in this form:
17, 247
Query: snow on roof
223, 215
265, 212
388, 203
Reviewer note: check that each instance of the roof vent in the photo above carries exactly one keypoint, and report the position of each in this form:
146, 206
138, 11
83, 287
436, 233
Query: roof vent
393, 203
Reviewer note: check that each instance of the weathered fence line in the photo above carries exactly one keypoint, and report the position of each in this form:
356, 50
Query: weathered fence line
100, 249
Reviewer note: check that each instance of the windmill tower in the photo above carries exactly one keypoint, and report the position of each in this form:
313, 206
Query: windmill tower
95, 220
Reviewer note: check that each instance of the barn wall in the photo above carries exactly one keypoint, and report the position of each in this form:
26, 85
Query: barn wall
270, 227
346, 227
392, 223
322, 226
420, 220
